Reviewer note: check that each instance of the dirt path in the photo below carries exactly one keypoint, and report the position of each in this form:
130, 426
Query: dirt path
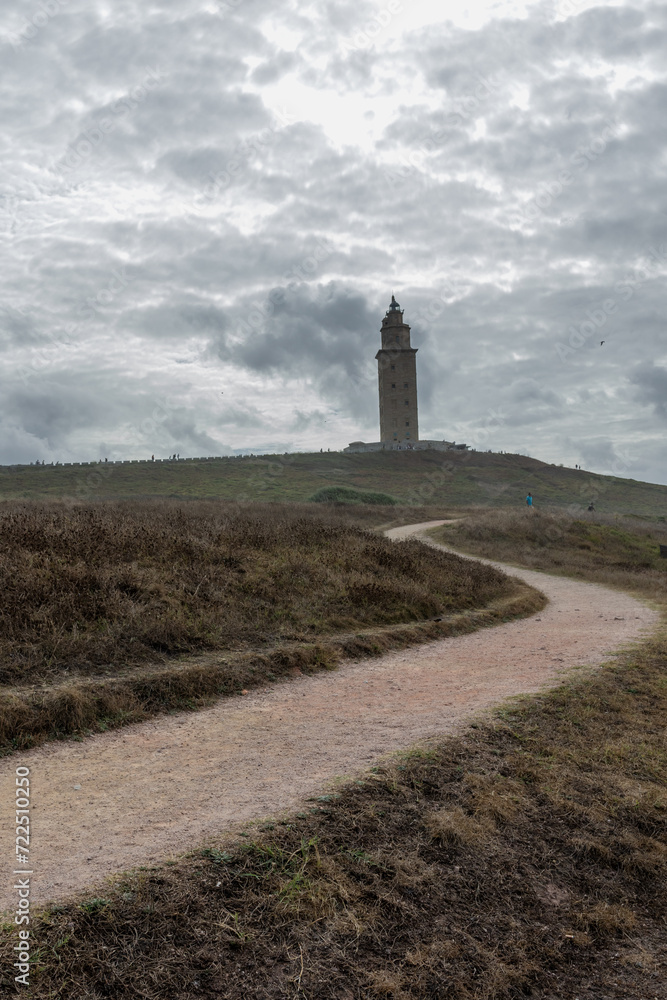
139, 794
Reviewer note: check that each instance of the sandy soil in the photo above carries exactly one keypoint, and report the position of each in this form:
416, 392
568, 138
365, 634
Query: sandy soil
143, 793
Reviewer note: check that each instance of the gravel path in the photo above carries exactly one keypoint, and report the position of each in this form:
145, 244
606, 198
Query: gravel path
140, 794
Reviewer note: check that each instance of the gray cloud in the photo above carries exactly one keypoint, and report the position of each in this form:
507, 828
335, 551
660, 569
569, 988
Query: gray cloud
651, 382
505, 182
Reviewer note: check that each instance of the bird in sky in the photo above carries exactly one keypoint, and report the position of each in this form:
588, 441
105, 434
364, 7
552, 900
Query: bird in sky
602, 342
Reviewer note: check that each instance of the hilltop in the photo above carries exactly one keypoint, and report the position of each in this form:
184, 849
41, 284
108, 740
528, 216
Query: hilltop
421, 477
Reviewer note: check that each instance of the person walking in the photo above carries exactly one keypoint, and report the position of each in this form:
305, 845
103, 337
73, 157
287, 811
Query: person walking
529, 500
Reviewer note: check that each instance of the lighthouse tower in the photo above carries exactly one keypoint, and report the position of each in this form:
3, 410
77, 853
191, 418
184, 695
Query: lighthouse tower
397, 381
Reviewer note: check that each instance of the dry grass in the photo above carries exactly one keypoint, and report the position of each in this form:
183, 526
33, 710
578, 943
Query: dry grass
616, 551
114, 612
455, 826
103, 585
525, 858
78, 708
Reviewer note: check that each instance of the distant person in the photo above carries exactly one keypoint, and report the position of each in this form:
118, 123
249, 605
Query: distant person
591, 506
529, 500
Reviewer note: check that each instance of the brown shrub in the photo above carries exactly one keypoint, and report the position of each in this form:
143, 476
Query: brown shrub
101, 587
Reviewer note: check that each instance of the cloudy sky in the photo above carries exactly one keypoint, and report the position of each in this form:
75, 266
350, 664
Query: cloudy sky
206, 206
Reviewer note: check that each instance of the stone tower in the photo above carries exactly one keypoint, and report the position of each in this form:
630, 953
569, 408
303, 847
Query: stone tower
397, 377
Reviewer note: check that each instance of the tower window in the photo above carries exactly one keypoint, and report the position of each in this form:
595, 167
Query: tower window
407, 423
407, 402
393, 385
398, 339
405, 385
408, 434
393, 368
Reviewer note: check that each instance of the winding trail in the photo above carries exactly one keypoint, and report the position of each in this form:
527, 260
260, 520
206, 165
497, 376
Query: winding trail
137, 795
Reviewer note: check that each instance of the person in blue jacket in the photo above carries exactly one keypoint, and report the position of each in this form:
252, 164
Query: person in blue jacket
529, 500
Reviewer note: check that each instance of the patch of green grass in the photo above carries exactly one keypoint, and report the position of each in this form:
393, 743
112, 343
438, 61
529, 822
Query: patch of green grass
345, 494
220, 857
95, 905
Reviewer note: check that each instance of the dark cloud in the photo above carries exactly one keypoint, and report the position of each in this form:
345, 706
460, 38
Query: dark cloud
308, 330
651, 382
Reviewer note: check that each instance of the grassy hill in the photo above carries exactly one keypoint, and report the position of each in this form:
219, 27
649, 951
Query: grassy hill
427, 477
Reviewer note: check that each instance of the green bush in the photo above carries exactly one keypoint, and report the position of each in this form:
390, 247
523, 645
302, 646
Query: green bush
345, 494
